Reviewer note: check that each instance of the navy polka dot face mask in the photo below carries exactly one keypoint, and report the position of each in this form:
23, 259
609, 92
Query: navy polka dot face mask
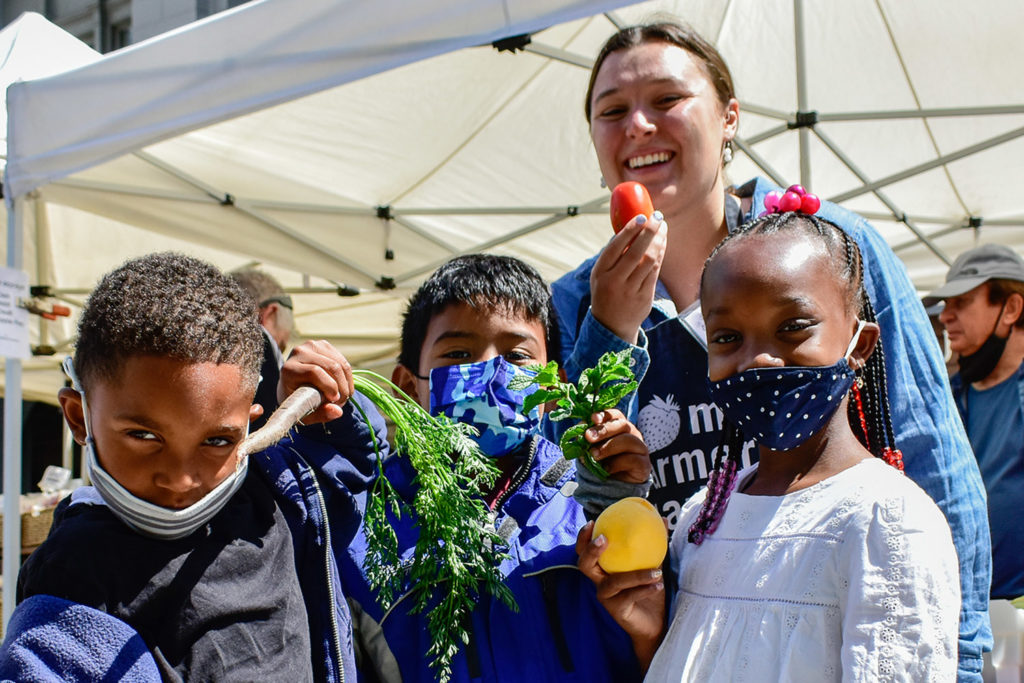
782, 407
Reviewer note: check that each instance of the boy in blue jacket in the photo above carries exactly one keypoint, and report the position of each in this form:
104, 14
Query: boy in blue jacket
182, 561
465, 333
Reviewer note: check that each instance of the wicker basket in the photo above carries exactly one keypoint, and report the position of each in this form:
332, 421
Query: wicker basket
34, 527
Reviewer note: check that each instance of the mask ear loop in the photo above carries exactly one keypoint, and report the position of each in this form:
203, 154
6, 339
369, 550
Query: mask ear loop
69, 369
853, 342
89, 453
855, 389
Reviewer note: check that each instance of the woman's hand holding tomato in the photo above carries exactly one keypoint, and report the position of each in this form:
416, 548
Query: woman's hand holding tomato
629, 199
625, 275
636, 600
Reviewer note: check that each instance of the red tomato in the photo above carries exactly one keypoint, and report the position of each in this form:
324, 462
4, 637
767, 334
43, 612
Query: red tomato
629, 199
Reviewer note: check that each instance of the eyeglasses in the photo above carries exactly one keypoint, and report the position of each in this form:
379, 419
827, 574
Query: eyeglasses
282, 299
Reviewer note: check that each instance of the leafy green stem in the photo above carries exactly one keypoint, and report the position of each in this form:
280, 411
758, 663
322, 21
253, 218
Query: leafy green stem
455, 559
599, 388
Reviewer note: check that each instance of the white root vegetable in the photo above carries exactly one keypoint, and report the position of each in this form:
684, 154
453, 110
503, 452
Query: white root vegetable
301, 403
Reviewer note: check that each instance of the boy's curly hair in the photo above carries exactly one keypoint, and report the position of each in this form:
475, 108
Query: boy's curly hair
167, 304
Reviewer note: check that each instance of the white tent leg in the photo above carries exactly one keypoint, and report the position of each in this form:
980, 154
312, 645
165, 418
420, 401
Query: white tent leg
12, 433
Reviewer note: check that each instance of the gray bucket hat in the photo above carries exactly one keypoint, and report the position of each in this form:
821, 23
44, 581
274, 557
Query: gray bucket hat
977, 266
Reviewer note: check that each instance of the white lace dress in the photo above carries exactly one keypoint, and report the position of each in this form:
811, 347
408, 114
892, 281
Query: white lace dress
852, 579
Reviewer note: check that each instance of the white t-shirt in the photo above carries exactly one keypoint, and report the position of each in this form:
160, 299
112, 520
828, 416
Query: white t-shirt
852, 579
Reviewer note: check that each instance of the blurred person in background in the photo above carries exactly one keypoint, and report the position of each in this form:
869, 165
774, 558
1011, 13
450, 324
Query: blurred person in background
984, 321
275, 313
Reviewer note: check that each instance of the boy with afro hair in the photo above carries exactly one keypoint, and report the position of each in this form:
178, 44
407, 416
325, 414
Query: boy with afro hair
184, 560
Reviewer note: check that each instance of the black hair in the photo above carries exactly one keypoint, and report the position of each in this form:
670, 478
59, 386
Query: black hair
484, 281
868, 410
170, 305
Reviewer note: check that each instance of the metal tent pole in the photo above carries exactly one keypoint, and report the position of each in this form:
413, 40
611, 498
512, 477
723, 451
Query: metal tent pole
897, 213
12, 433
801, 91
928, 165
570, 212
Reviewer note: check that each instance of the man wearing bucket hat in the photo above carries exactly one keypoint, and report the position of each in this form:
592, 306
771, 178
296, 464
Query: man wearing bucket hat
984, 319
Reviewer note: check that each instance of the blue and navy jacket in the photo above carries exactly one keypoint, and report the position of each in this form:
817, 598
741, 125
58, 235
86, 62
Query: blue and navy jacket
319, 476
560, 631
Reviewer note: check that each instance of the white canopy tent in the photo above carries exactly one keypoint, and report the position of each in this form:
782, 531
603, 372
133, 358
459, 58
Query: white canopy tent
362, 145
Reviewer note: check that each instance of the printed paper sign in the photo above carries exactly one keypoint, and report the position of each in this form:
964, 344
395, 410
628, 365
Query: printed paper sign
13, 319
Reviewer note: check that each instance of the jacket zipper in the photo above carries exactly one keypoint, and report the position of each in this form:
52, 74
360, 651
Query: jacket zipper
518, 479
335, 631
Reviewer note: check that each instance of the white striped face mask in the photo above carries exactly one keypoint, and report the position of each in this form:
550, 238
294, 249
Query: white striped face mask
148, 518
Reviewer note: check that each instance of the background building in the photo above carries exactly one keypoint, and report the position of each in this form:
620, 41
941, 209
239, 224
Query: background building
107, 25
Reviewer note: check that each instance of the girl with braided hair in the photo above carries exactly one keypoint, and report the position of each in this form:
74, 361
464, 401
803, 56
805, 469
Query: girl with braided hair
663, 110
822, 561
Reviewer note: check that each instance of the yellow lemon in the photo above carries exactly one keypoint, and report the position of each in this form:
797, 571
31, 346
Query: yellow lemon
636, 536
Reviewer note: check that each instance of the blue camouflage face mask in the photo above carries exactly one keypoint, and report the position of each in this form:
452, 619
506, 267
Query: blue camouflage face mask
477, 394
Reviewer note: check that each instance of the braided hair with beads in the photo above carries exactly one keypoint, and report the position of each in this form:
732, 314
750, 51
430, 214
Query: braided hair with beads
868, 409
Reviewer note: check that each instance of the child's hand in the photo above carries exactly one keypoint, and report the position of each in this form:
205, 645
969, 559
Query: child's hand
319, 365
619, 447
624, 276
636, 600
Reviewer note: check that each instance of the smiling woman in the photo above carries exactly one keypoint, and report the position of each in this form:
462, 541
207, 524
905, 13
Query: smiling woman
662, 111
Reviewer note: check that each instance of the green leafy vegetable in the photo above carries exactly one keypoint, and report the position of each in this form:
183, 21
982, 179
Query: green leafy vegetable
456, 557
599, 388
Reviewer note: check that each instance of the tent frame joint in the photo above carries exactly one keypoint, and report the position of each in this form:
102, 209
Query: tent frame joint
975, 222
385, 283
803, 119
228, 200
572, 211
512, 44
384, 213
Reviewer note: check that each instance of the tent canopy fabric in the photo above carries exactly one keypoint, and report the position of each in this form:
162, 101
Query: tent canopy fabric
356, 145
344, 143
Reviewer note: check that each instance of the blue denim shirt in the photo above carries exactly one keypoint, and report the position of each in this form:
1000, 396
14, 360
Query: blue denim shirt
927, 427
586, 344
